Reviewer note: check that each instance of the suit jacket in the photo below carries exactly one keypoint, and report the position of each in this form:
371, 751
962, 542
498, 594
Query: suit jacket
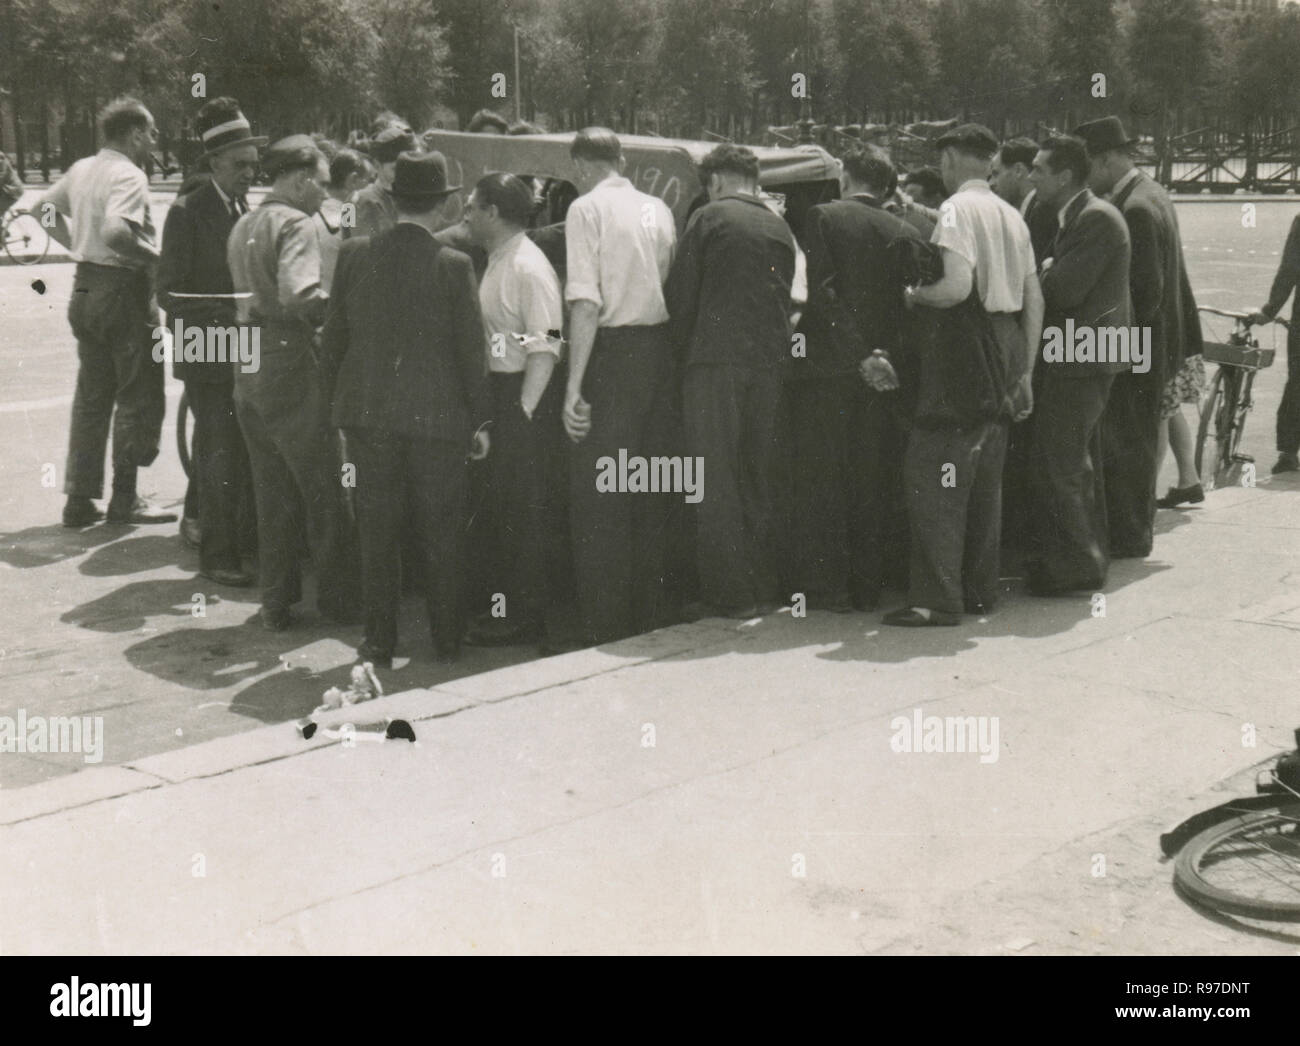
1161, 292
855, 285
193, 261
404, 338
1043, 228
728, 289
1088, 281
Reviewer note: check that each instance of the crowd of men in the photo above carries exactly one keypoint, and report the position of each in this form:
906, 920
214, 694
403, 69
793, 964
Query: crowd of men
434, 407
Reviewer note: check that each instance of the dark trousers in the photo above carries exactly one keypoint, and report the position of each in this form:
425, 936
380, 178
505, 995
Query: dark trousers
117, 380
1288, 411
1130, 438
521, 526
293, 455
619, 538
953, 479
730, 415
844, 511
401, 477
221, 474
1017, 497
1066, 474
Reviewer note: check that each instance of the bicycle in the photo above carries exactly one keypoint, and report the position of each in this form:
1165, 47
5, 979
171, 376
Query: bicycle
23, 236
1218, 453
1243, 857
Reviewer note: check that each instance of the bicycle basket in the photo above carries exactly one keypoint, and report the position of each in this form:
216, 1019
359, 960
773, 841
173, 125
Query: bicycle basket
1238, 355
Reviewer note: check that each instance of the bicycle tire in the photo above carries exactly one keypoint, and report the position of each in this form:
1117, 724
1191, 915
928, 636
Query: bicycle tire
1218, 411
182, 433
25, 240
1212, 849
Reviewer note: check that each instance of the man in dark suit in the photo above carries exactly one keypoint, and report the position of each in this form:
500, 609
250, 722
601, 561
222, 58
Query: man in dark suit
405, 346
848, 397
1085, 281
1162, 301
1288, 411
195, 289
728, 297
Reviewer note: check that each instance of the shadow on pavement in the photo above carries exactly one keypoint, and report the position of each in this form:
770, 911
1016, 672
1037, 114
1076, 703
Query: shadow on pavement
147, 552
129, 607
53, 543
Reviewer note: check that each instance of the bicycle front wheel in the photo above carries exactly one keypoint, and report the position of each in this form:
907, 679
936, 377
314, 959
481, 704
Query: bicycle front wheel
26, 241
1247, 865
1214, 438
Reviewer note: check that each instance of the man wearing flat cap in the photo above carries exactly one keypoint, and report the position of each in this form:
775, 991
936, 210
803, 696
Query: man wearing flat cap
404, 343
976, 350
376, 211
195, 290
283, 402
1162, 301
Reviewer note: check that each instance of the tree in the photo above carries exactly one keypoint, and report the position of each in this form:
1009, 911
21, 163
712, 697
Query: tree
1169, 53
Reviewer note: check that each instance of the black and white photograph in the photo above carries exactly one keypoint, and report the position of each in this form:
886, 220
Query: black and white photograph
651, 477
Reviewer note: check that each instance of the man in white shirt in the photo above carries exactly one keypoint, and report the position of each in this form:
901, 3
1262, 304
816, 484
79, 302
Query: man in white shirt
952, 469
619, 245
522, 317
111, 235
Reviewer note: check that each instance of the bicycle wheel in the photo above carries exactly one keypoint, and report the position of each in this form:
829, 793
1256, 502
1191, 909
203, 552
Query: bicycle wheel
1214, 437
1247, 865
182, 431
26, 241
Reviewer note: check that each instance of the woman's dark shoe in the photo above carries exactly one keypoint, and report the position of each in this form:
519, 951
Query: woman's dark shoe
1192, 495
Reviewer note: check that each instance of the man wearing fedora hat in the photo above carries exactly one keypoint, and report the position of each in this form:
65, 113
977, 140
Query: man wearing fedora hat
405, 349
195, 290
376, 211
283, 402
1162, 300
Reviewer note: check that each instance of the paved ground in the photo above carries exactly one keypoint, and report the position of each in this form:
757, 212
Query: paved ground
707, 788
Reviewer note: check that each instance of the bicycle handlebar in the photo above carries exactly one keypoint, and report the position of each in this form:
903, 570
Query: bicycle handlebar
1242, 316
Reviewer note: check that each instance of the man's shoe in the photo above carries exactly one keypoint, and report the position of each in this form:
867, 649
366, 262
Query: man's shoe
836, 604
191, 534
233, 578
865, 604
80, 512
276, 620
1040, 584
1192, 495
567, 645
920, 617
446, 653
496, 632
1287, 463
137, 510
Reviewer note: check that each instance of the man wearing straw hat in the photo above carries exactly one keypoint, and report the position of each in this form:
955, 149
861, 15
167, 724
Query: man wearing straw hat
196, 291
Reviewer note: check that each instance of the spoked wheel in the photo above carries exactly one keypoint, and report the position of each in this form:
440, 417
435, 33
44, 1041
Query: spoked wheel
1247, 866
1222, 420
183, 431
26, 241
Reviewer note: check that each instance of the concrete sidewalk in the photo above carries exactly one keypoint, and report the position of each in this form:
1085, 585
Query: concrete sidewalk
722, 787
